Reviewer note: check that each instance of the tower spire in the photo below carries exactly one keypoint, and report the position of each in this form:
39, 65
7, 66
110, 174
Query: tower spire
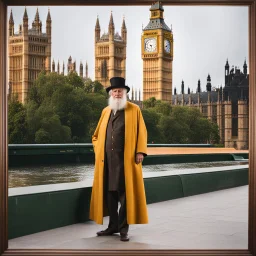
25, 15
111, 27
37, 18
48, 15
25, 22
182, 87
11, 25
86, 70
81, 69
245, 67
111, 21
53, 65
63, 68
58, 67
208, 85
227, 64
37, 24
48, 24
97, 22
11, 21
97, 30
124, 30
123, 24
199, 86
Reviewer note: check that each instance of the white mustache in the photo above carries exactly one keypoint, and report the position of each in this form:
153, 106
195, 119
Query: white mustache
117, 103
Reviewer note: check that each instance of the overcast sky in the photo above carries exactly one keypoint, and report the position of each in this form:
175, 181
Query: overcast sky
204, 37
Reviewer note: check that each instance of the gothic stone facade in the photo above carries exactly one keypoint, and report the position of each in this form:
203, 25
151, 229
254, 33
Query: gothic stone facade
29, 54
110, 52
227, 106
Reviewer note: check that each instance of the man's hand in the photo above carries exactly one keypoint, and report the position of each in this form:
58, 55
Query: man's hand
139, 158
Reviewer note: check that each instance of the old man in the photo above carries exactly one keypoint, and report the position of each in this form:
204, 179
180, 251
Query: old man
120, 144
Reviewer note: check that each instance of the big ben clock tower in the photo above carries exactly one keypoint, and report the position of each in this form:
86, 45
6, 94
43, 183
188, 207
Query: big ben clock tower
157, 55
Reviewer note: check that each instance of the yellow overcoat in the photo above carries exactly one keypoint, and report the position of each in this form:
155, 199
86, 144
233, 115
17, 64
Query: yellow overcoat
135, 142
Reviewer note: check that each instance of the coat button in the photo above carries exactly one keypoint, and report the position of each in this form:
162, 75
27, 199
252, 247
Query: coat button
102, 160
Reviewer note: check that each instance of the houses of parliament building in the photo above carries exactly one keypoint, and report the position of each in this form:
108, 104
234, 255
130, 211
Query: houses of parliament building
30, 53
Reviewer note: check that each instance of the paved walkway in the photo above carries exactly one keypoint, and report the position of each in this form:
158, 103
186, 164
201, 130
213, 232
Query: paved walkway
217, 220
177, 150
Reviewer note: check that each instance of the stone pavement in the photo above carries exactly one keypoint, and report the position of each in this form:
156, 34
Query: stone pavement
216, 220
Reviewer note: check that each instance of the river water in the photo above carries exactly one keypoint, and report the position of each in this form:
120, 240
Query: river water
52, 174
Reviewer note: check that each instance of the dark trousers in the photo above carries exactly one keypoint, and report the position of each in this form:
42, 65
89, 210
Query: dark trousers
117, 220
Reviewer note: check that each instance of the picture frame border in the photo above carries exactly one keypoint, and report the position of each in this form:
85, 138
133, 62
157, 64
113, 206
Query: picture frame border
4, 130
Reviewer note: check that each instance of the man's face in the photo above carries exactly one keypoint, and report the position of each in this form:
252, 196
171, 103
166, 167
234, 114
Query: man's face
117, 93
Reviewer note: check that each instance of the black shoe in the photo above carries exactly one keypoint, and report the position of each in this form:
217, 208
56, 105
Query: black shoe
107, 232
124, 237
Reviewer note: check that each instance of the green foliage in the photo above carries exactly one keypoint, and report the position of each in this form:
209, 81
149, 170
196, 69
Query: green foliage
59, 110
172, 130
75, 80
151, 119
190, 126
63, 109
177, 124
17, 125
94, 87
149, 103
163, 108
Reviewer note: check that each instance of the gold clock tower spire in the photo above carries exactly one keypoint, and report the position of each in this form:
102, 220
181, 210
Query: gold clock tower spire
157, 56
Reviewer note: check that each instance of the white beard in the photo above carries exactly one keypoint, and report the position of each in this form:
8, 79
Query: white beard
117, 104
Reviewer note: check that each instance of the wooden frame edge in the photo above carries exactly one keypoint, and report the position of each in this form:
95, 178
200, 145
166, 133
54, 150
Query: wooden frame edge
3, 131
4, 142
252, 128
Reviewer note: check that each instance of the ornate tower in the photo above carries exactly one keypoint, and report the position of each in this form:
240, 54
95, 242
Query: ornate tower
86, 70
81, 69
48, 49
157, 56
71, 65
11, 25
209, 100
53, 65
110, 52
29, 54
226, 72
245, 68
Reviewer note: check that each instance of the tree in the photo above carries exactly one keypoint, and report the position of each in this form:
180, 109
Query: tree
17, 125
94, 87
45, 125
149, 103
197, 128
52, 131
173, 131
88, 86
151, 118
62, 103
75, 80
163, 107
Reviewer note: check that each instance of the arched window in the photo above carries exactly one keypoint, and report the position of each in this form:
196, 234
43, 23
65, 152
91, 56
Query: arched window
104, 69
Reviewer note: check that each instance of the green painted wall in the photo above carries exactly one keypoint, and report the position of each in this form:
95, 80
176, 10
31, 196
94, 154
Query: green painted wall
36, 154
28, 214
211, 181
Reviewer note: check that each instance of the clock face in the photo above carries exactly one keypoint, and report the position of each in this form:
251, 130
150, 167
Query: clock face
167, 46
150, 44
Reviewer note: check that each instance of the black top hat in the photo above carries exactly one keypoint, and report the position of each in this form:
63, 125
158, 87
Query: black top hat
117, 82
